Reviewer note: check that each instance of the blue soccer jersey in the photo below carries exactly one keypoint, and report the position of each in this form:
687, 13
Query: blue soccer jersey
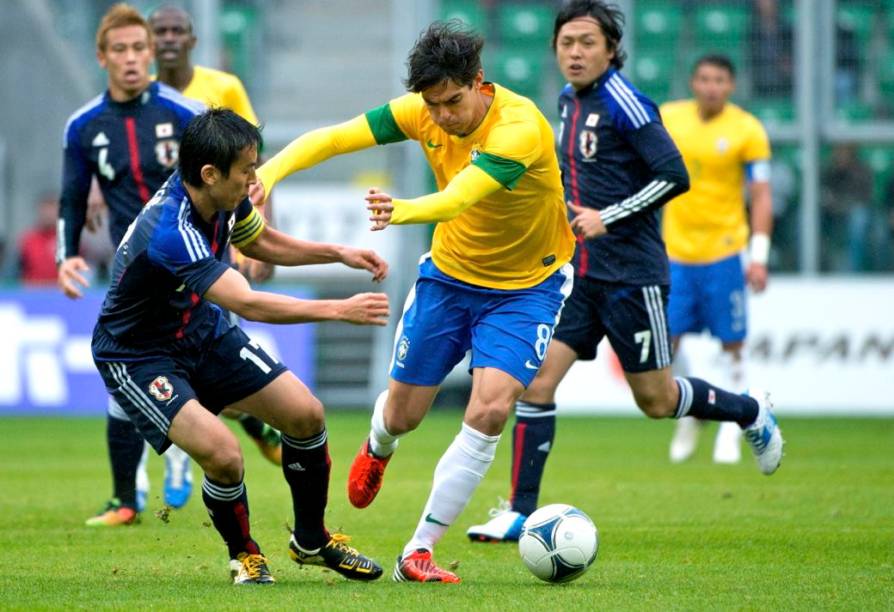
130, 147
166, 262
612, 147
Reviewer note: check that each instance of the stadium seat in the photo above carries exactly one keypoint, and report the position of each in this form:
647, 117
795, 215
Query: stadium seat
653, 73
772, 110
886, 74
857, 17
526, 24
853, 112
881, 159
467, 11
519, 70
720, 26
789, 155
658, 25
237, 24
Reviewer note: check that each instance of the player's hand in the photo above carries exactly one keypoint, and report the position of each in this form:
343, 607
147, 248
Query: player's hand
587, 222
255, 270
70, 276
364, 309
257, 193
757, 277
380, 208
365, 259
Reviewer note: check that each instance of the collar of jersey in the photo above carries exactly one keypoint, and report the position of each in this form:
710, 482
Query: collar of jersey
485, 122
597, 83
134, 102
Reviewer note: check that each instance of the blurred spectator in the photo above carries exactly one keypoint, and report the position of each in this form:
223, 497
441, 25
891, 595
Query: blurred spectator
847, 65
771, 52
846, 201
37, 246
784, 185
886, 227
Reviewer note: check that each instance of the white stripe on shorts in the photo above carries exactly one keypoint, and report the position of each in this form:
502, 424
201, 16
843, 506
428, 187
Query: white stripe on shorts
655, 308
139, 399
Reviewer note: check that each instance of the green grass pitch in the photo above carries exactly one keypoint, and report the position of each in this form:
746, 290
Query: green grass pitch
817, 535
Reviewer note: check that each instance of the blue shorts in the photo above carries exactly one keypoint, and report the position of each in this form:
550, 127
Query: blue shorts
506, 329
709, 296
153, 388
630, 316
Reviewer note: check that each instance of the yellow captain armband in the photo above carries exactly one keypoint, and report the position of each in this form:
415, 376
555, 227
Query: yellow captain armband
248, 229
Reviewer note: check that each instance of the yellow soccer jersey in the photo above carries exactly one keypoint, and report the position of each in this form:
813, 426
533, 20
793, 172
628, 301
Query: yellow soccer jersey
515, 237
708, 222
217, 88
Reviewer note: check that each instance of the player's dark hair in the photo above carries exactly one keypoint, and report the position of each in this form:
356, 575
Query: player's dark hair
215, 137
717, 60
608, 16
445, 50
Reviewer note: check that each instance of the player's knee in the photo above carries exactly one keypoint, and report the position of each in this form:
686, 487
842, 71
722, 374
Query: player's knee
307, 421
398, 423
225, 464
489, 414
540, 391
655, 405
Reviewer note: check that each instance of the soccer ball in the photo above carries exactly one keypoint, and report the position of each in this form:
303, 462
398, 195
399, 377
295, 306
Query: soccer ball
558, 543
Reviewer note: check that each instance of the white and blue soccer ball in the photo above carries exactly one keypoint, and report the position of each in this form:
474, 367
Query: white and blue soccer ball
558, 543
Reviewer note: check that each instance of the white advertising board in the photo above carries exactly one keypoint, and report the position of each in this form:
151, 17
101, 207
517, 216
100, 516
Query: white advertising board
821, 346
323, 212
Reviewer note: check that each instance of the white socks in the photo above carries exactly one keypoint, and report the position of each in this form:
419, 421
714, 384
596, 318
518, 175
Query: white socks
457, 475
381, 443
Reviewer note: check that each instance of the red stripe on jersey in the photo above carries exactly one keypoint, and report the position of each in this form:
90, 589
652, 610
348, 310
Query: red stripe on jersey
194, 298
134, 149
187, 315
575, 188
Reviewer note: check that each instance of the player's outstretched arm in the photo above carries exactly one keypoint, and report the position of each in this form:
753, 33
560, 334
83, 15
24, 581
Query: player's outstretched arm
278, 248
468, 187
232, 292
310, 149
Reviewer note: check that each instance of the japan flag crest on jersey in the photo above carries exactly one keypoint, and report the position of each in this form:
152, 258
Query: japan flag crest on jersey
161, 388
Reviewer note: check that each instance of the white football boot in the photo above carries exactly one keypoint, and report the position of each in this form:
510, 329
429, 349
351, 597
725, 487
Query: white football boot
685, 439
505, 525
764, 436
728, 443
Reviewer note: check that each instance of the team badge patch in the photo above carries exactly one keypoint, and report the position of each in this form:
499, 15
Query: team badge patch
161, 388
166, 152
588, 144
722, 145
475, 154
403, 347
